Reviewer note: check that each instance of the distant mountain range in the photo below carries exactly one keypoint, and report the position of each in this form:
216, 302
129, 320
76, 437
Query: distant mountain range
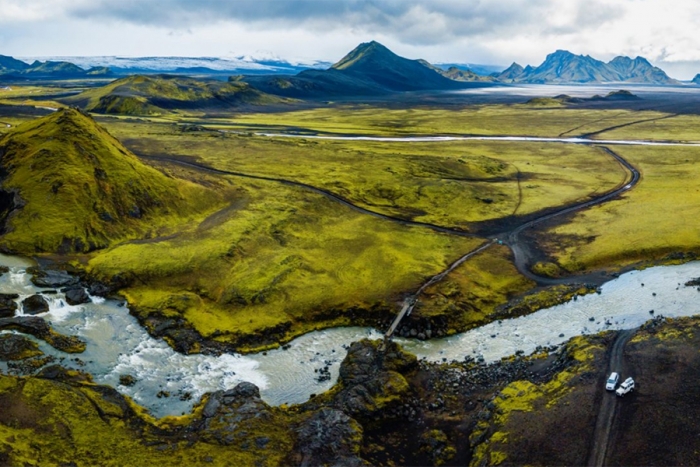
564, 67
370, 69
123, 66
13, 68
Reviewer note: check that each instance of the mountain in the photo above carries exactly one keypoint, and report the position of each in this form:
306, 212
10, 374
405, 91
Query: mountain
513, 72
375, 62
213, 66
68, 186
696, 80
483, 70
11, 64
639, 70
368, 70
12, 68
456, 74
157, 94
565, 67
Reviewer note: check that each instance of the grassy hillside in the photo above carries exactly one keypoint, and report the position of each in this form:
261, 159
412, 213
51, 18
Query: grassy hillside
68, 186
152, 95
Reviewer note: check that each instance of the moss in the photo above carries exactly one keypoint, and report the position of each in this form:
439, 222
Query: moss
46, 422
16, 347
76, 188
525, 396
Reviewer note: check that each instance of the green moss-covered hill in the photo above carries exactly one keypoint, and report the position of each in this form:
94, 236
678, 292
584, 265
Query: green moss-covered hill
154, 95
69, 186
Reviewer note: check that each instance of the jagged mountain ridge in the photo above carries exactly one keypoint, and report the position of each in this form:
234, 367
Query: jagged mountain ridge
563, 66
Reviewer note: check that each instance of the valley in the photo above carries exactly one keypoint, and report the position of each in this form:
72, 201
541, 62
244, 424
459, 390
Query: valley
241, 246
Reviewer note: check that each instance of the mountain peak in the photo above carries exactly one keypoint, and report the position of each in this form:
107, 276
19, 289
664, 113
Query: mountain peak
372, 50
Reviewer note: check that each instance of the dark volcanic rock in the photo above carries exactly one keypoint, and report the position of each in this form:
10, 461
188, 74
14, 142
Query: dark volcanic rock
329, 437
8, 306
34, 305
372, 377
16, 347
52, 278
227, 414
76, 296
99, 289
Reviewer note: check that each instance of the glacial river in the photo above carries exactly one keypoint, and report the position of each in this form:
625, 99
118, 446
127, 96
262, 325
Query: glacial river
522, 139
117, 344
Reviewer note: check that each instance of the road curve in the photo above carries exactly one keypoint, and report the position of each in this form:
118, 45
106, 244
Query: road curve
520, 252
608, 407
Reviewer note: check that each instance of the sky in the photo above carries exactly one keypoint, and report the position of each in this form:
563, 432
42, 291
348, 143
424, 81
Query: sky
496, 32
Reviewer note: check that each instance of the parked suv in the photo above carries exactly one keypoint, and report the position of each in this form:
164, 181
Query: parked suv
626, 386
611, 384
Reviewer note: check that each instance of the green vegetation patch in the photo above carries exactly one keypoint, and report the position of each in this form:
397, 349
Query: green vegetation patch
452, 184
470, 295
69, 186
51, 423
655, 221
290, 262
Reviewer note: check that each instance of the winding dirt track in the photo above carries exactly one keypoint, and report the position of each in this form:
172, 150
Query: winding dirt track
320, 191
521, 252
608, 407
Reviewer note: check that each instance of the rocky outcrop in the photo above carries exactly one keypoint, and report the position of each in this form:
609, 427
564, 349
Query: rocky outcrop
15, 347
40, 329
227, 416
372, 377
52, 279
8, 306
34, 305
329, 437
76, 295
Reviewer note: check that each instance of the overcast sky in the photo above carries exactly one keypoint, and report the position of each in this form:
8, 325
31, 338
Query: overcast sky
462, 31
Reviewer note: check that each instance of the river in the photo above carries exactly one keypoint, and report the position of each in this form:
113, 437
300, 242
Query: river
438, 139
117, 344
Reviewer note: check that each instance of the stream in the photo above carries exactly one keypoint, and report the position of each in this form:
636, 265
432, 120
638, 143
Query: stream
118, 345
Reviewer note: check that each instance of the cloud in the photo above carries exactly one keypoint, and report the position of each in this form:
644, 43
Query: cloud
417, 23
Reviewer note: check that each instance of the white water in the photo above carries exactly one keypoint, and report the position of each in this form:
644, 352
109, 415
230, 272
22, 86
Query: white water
437, 139
116, 344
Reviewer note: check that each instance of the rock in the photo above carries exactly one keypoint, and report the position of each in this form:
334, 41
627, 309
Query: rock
127, 380
52, 278
329, 437
76, 296
242, 390
99, 289
34, 305
15, 347
8, 306
212, 406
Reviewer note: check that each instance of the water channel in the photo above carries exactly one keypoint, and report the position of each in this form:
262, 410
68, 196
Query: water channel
118, 345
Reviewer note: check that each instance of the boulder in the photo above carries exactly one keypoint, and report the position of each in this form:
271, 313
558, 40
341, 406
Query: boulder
76, 296
53, 278
34, 305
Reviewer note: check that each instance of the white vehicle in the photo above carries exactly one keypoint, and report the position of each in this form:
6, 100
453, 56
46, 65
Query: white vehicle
626, 387
611, 384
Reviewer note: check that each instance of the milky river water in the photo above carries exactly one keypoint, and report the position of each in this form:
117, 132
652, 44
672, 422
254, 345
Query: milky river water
118, 345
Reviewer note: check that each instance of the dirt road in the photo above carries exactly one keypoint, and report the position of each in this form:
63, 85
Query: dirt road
605, 421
